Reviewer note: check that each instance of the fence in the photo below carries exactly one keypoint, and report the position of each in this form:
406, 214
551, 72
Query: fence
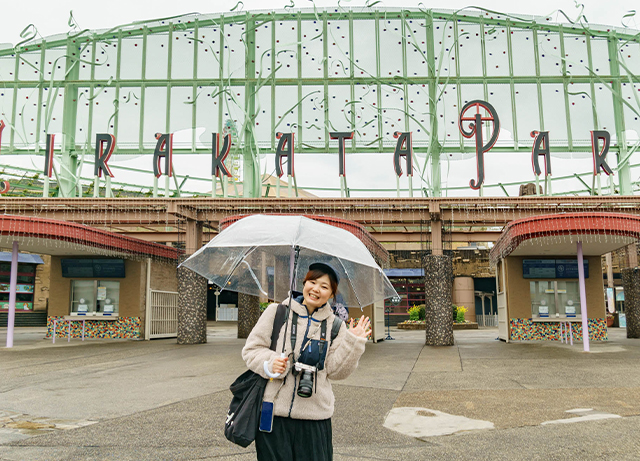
164, 314
487, 320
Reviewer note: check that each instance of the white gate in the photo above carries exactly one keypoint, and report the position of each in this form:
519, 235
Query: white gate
163, 314
227, 313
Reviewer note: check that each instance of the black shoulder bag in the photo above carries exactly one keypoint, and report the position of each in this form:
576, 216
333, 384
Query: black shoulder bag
248, 389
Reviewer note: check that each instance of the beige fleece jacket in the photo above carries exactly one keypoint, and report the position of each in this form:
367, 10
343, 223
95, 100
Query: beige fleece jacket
342, 359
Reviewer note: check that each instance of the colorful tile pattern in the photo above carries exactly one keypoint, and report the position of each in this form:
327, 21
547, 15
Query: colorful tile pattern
121, 328
527, 330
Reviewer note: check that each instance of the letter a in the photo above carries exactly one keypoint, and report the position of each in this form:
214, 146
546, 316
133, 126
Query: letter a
164, 149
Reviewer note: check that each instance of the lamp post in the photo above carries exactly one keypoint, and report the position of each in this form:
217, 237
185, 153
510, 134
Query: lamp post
395, 301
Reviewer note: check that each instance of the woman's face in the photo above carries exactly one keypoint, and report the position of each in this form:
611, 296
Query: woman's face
317, 292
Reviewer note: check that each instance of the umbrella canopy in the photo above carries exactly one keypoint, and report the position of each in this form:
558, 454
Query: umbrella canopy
256, 256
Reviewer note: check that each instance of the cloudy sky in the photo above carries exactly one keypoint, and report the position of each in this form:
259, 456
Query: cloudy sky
51, 18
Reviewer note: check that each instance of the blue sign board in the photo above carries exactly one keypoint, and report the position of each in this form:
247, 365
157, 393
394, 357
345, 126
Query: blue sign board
552, 268
568, 268
539, 268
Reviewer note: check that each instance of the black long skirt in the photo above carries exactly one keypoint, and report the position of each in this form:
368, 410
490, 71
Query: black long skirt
296, 440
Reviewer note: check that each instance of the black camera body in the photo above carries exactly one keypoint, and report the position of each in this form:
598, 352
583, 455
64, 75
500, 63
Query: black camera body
305, 388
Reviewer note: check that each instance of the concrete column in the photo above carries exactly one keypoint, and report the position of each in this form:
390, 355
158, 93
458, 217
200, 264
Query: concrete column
248, 314
631, 285
464, 295
193, 236
438, 271
192, 309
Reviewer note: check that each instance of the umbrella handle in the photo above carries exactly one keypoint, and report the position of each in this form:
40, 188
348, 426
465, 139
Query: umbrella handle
266, 368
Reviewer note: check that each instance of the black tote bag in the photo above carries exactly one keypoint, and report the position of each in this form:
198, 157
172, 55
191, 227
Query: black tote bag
248, 389
244, 410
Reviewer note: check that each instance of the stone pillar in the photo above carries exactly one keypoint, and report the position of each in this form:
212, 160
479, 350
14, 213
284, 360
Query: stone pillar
438, 279
631, 284
192, 306
248, 314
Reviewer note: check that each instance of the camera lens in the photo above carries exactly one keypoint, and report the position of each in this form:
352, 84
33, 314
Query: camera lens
305, 388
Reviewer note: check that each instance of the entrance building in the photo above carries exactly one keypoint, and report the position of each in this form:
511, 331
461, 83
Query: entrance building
549, 274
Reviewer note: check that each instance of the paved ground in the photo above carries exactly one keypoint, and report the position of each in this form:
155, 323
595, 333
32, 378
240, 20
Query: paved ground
153, 400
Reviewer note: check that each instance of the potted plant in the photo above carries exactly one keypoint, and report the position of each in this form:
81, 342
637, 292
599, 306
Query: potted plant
610, 319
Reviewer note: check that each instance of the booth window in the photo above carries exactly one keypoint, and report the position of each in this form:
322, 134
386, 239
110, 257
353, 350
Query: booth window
24, 288
554, 298
95, 297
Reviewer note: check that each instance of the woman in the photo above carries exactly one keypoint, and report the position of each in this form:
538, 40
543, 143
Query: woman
301, 428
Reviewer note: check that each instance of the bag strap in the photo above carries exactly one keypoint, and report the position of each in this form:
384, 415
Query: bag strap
323, 343
278, 321
335, 328
294, 330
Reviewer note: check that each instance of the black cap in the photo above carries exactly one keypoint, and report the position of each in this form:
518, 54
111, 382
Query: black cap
326, 268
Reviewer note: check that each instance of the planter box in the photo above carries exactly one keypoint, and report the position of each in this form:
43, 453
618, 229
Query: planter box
422, 326
412, 326
465, 326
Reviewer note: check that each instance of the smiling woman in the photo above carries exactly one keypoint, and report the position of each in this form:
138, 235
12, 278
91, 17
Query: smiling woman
318, 348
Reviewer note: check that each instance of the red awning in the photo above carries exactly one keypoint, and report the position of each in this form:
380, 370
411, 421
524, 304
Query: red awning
557, 235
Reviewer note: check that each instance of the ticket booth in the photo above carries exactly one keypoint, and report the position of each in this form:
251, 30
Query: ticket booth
549, 275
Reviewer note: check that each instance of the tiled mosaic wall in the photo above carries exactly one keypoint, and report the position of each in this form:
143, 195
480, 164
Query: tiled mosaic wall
631, 284
121, 328
527, 330
438, 280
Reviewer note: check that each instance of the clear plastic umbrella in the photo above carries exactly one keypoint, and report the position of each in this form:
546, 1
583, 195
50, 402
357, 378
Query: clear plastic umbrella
266, 255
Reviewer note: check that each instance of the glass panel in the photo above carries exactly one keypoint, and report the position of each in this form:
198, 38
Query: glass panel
312, 50
575, 50
366, 114
209, 52
83, 297
85, 65
390, 48
29, 68
581, 113
338, 48
543, 303
108, 297
416, 33
131, 58
569, 299
182, 55
549, 51
157, 56
523, 56
129, 118
496, 51
364, 50
106, 60
313, 124
469, 51
234, 54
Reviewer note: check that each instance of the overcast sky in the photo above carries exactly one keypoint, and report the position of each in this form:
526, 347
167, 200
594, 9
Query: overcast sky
51, 17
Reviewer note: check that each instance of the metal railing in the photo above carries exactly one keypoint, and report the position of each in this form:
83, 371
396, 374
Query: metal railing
489, 320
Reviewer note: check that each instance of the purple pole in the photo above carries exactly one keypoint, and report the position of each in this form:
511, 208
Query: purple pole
13, 282
583, 300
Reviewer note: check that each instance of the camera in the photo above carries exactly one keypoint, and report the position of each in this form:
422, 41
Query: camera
305, 388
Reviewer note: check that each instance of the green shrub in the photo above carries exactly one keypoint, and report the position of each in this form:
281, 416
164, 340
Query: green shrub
263, 306
460, 314
455, 311
417, 312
